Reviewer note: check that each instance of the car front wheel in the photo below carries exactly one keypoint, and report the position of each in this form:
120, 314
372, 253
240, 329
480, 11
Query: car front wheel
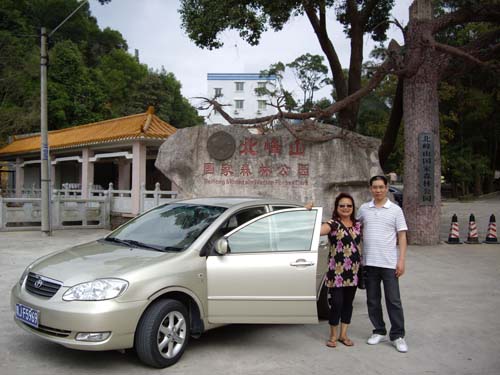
162, 334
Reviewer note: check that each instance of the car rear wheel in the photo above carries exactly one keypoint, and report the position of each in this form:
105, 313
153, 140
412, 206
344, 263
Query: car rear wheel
162, 334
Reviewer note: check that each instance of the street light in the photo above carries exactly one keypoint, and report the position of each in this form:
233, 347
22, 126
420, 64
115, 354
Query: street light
44, 147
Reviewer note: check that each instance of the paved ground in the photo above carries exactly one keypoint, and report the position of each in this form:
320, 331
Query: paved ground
451, 297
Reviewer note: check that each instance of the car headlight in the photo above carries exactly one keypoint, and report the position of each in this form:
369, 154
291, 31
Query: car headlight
97, 290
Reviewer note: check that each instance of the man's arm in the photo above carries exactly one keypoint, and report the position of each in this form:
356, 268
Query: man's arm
400, 267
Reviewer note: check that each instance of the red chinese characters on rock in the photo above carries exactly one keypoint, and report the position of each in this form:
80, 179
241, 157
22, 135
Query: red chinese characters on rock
303, 170
247, 147
265, 171
273, 146
296, 148
208, 168
283, 170
226, 170
245, 170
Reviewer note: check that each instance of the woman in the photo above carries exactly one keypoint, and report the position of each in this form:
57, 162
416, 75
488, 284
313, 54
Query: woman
344, 233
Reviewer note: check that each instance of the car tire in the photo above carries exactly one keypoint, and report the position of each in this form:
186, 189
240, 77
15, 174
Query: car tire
323, 304
162, 334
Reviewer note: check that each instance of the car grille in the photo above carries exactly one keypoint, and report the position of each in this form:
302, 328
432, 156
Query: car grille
41, 285
50, 331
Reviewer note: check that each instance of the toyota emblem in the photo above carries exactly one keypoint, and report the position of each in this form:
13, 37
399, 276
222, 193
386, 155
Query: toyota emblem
38, 283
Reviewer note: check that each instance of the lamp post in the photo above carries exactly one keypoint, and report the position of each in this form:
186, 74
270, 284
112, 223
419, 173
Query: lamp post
44, 146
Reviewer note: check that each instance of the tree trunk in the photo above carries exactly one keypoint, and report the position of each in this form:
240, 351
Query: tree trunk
478, 186
421, 116
391, 133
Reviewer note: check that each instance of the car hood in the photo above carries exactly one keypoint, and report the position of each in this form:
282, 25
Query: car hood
95, 260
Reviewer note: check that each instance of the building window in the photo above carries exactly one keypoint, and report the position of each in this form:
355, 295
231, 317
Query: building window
239, 86
218, 92
238, 104
261, 105
261, 88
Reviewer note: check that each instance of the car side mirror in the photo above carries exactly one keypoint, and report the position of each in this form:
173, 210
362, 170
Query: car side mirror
221, 246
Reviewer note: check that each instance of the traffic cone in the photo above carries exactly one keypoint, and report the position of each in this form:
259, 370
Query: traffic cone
491, 237
454, 237
473, 237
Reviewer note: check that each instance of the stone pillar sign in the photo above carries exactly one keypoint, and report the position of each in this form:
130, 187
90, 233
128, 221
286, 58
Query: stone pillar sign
230, 161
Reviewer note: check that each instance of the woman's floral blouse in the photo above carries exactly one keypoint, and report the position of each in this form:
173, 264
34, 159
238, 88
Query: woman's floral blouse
344, 258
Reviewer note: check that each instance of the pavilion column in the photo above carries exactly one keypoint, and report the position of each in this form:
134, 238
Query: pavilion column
19, 177
124, 174
87, 172
138, 174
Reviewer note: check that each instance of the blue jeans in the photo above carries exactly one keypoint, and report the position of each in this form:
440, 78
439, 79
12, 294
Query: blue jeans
373, 277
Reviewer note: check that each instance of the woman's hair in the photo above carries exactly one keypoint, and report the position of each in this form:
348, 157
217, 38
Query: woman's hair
335, 215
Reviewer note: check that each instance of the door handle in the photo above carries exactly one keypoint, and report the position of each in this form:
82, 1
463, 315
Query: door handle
301, 263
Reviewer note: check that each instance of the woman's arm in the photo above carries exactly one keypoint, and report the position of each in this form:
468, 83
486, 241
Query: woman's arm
325, 228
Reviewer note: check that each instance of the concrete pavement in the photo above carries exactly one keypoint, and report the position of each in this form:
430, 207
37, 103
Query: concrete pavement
451, 296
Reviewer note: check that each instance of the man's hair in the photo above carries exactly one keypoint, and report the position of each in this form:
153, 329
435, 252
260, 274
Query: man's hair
381, 178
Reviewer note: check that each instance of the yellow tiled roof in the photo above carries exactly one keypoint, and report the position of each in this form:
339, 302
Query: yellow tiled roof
140, 126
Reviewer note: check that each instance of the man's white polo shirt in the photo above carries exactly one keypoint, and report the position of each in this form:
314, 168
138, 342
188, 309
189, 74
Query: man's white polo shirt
380, 227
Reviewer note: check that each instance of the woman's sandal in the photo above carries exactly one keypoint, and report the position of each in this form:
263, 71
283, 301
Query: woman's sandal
331, 343
346, 341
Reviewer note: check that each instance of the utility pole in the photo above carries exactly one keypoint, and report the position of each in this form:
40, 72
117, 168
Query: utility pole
44, 149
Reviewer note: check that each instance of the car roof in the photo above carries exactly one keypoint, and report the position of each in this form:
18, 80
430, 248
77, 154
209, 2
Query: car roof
234, 201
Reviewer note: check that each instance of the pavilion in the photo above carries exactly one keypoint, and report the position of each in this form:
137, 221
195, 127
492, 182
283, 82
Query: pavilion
121, 151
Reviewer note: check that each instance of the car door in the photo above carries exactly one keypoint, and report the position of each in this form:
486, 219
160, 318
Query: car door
269, 272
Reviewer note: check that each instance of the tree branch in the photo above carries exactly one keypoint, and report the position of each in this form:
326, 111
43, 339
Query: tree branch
457, 52
489, 12
377, 77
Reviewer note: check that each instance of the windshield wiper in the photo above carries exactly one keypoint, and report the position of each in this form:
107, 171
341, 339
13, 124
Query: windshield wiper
172, 248
142, 244
134, 243
117, 240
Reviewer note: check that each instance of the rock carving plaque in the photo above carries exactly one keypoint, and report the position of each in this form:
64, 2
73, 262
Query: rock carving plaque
221, 145
219, 160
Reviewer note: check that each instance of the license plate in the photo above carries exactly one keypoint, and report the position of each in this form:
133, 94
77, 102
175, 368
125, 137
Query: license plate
27, 315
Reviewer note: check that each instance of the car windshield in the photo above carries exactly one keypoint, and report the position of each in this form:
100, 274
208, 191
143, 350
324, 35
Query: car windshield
167, 228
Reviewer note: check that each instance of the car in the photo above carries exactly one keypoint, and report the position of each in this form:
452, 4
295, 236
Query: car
397, 194
175, 272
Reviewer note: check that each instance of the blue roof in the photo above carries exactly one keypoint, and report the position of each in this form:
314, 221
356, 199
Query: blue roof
239, 77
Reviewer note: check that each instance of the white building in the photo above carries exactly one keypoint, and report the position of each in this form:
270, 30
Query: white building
238, 90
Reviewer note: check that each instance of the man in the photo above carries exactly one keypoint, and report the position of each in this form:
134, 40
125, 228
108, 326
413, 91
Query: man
383, 222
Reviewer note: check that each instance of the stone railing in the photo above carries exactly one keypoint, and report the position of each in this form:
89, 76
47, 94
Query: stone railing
70, 210
120, 200
153, 198
25, 213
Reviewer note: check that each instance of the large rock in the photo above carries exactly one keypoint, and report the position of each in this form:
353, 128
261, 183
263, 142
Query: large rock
201, 162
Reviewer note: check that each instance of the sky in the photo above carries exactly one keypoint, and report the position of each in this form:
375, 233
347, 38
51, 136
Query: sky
154, 28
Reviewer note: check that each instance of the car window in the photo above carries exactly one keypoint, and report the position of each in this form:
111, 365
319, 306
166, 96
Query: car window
239, 218
287, 231
171, 228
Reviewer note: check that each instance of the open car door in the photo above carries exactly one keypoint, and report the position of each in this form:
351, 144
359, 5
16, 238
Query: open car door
268, 274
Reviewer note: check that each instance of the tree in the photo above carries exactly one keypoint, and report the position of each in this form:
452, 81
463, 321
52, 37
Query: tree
418, 66
91, 76
204, 21
276, 91
311, 75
